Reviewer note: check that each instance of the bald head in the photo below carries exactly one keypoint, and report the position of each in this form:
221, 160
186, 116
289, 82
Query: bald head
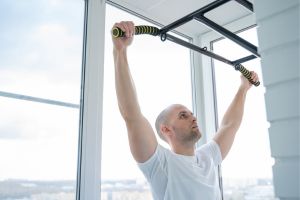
163, 118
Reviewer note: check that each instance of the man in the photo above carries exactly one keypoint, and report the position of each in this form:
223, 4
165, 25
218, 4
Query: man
182, 173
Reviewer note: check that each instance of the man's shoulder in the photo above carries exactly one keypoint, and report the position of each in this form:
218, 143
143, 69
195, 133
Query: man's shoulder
210, 149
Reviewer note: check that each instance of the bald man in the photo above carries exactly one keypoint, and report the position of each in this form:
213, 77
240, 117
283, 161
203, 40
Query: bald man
182, 173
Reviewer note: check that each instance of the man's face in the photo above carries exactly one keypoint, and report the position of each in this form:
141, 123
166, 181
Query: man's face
184, 124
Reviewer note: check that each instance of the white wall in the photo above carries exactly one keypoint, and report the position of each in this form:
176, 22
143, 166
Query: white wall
278, 34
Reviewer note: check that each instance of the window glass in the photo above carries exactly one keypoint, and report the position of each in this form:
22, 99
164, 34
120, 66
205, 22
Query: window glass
38, 150
247, 170
41, 48
40, 57
161, 71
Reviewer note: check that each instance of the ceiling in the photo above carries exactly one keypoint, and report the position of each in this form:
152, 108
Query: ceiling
164, 12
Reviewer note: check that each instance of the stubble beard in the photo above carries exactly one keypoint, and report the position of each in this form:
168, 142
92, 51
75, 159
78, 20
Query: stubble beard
192, 137
195, 135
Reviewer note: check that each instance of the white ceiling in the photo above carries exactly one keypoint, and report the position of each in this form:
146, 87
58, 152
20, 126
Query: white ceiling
165, 12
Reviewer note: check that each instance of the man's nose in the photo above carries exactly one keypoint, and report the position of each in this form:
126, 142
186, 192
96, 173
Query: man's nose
194, 118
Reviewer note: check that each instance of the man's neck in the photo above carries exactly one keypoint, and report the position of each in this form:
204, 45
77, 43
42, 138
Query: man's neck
184, 150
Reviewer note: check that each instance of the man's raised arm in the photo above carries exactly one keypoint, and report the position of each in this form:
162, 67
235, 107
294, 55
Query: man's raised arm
233, 117
142, 140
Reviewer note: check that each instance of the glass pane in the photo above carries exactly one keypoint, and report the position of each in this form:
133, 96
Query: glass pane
41, 48
38, 150
161, 71
40, 56
247, 170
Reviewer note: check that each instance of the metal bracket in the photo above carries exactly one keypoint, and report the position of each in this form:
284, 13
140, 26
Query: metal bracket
199, 16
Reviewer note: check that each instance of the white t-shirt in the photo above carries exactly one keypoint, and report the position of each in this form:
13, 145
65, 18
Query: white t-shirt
178, 177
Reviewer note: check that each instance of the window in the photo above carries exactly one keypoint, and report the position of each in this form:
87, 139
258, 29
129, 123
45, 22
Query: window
246, 172
40, 70
162, 75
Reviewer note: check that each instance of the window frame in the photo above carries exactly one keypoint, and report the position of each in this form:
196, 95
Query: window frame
91, 99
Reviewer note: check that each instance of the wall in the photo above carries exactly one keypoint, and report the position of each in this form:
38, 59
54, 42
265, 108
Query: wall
278, 33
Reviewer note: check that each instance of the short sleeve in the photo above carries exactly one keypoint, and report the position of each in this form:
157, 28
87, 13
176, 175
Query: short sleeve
157, 162
155, 171
212, 150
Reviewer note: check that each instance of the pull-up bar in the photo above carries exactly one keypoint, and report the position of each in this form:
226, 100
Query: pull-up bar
117, 32
199, 16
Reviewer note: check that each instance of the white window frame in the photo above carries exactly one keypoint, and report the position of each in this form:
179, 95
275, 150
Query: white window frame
89, 146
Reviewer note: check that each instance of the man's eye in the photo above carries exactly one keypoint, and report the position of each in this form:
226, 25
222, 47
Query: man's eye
182, 116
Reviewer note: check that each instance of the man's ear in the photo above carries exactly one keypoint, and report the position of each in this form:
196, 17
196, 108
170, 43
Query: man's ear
165, 129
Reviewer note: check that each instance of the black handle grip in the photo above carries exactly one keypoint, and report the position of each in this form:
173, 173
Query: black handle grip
246, 73
117, 32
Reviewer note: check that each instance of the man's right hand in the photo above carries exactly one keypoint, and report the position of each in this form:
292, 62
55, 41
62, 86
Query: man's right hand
122, 43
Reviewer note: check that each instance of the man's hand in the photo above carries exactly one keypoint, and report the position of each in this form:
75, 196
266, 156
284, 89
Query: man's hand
245, 84
122, 43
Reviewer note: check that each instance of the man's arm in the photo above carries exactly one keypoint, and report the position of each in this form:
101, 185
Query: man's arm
233, 117
142, 140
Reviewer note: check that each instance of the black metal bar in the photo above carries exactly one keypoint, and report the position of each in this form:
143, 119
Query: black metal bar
246, 73
245, 59
247, 45
212, 6
190, 16
198, 49
246, 4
